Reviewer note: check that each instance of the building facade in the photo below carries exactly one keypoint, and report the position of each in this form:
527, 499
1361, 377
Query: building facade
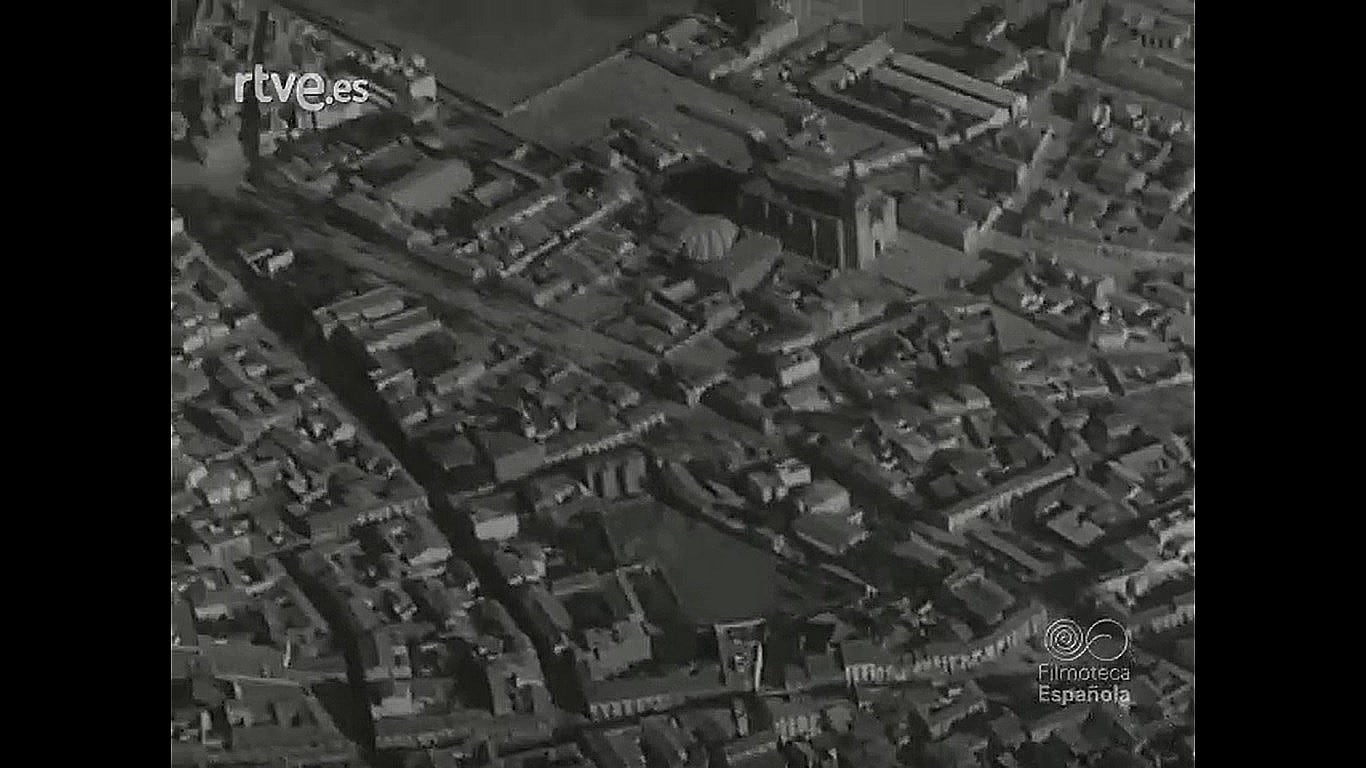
848, 229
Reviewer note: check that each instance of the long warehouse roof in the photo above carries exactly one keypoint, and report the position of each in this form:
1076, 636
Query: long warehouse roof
952, 78
915, 86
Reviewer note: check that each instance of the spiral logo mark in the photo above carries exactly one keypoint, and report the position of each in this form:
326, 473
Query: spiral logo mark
1064, 640
1104, 640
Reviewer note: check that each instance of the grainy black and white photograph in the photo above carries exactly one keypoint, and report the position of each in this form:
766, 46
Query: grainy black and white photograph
682, 383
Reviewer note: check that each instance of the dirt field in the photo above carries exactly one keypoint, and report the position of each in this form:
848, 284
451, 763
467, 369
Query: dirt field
633, 86
502, 51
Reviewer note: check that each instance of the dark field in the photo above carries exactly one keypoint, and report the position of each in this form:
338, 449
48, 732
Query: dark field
502, 51
715, 577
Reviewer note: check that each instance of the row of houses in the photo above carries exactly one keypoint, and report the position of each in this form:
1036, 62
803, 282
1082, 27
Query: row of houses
865, 662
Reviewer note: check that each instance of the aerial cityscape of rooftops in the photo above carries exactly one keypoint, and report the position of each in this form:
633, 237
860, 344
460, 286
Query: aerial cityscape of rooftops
683, 383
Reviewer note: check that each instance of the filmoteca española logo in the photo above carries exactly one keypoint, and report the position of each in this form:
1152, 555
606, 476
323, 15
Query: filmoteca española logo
1105, 640
1087, 666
